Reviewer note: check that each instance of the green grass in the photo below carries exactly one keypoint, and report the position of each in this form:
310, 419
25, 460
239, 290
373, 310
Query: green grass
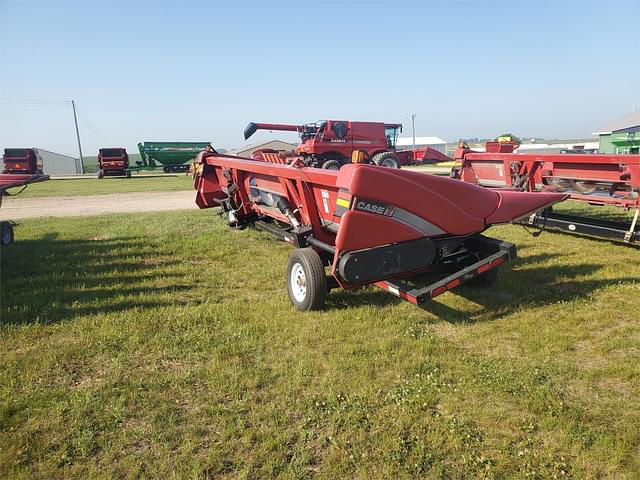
93, 186
165, 346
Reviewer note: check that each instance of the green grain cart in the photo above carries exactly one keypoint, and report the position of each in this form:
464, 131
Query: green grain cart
171, 156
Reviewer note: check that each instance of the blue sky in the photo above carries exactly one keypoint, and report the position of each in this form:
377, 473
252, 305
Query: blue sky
201, 70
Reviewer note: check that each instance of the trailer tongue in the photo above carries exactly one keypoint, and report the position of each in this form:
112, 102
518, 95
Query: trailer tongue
14, 180
369, 225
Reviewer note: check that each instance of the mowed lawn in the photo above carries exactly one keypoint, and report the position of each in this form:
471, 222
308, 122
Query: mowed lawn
94, 186
165, 346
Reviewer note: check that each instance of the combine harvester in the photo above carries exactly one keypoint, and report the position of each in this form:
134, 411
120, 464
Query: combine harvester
370, 225
330, 144
22, 166
171, 156
596, 179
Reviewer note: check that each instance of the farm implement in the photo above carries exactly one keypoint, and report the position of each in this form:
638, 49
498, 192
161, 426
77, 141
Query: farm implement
329, 144
596, 179
113, 162
14, 180
171, 156
371, 226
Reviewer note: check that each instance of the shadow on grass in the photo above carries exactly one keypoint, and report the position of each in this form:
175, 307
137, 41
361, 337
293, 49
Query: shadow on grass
522, 285
51, 280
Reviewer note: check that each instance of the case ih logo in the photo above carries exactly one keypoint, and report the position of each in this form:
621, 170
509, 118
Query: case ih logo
376, 208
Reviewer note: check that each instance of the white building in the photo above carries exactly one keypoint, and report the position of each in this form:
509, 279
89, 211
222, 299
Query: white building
247, 150
58, 164
436, 143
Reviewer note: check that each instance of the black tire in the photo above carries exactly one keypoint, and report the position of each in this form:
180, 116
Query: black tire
128, 173
100, 173
238, 225
485, 279
165, 169
6, 233
331, 165
386, 159
306, 280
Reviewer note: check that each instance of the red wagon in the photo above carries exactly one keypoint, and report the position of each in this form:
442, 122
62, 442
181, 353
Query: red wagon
595, 179
368, 225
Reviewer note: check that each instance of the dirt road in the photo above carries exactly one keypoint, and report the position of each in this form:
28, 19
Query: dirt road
15, 208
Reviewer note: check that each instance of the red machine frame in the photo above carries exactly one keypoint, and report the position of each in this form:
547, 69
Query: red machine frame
14, 180
370, 225
597, 179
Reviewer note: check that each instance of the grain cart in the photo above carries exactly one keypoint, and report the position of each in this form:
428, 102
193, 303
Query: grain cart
369, 225
329, 144
14, 180
595, 179
172, 156
22, 160
113, 162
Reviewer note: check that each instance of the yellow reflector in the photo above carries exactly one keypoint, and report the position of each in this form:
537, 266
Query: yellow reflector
342, 202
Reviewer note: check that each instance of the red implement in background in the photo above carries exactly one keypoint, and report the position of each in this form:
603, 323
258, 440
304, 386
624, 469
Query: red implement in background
13, 180
369, 225
592, 178
113, 162
21, 160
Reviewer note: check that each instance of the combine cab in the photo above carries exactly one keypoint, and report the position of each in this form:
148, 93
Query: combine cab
22, 161
113, 162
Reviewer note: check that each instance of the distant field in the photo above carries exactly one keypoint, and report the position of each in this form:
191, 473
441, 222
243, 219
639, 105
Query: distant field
93, 186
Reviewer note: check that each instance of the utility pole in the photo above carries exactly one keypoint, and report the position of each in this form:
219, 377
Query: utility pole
75, 119
413, 130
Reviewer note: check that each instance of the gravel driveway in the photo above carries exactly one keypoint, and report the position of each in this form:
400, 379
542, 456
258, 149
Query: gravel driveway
15, 208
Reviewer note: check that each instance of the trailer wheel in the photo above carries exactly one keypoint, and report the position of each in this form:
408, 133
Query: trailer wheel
238, 225
485, 279
331, 165
6, 233
306, 281
100, 173
386, 159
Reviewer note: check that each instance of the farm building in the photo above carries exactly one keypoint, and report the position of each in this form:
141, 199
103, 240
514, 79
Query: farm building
434, 142
247, 150
621, 136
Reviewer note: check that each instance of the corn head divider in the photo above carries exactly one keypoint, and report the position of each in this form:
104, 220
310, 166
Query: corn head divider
369, 225
596, 179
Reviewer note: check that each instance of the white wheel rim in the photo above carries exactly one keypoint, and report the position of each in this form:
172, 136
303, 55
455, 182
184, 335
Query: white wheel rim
298, 281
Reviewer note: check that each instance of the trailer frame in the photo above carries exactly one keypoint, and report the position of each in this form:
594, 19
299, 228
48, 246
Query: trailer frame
615, 179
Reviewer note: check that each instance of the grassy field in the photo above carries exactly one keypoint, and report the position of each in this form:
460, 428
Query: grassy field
165, 346
93, 186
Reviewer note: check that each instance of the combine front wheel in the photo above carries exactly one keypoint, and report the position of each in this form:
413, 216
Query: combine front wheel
386, 159
306, 281
331, 165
